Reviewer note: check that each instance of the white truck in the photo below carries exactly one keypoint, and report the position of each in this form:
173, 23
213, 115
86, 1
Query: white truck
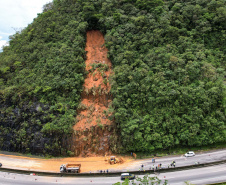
70, 168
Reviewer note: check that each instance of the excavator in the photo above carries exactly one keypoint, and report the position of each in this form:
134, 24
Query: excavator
114, 160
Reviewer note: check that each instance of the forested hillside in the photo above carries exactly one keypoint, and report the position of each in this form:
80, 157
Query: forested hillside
168, 85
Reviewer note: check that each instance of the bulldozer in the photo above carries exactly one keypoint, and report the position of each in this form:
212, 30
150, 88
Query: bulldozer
114, 160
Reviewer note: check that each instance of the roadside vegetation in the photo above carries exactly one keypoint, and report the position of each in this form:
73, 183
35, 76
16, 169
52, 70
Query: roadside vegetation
144, 181
168, 85
180, 151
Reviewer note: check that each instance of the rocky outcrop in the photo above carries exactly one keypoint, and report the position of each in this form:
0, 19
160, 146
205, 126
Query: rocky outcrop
20, 128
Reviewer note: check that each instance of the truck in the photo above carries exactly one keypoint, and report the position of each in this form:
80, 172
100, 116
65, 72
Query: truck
70, 168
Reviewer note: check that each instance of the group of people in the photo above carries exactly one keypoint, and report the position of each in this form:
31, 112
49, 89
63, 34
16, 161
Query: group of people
104, 171
156, 167
159, 166
173, 164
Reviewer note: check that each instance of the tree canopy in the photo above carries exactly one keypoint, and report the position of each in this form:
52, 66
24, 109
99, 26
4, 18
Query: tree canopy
168, 85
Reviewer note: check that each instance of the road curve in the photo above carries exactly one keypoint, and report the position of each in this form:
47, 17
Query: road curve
202, 158
199, 176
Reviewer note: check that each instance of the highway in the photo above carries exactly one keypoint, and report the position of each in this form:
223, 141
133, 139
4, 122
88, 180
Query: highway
205, 175
195, 176
213, 156
180, 161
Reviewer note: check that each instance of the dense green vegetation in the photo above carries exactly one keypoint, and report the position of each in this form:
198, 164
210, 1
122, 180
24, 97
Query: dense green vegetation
169, 71
42, 73
146, 180
168, 87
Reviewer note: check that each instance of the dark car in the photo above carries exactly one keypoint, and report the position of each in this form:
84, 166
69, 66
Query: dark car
0, 164
127, 176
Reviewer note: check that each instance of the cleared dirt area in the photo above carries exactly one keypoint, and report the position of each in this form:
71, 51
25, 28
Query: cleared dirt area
87, 164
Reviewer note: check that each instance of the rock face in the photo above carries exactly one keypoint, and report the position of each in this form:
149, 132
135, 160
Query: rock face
25, 137
94, 126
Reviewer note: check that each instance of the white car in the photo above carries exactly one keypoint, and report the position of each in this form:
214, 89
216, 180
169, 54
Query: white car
189, 154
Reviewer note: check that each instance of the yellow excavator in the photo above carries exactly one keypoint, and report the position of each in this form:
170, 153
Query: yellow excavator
114, 160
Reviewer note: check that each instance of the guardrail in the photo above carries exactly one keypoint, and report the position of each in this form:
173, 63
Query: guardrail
41, 173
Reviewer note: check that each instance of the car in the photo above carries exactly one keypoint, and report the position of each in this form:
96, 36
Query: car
0, 164
127, 176
189, 154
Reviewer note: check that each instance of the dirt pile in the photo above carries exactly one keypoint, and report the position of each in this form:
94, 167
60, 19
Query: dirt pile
94, 127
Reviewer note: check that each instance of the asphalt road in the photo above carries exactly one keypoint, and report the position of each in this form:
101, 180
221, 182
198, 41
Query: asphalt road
195, 176
135, 165
180, 161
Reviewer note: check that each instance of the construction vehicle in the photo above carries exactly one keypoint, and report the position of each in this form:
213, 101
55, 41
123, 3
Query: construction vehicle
70, 168
114, 160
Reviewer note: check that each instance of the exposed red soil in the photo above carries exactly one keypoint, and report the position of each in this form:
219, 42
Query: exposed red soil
93, 128
87, 164
94, 96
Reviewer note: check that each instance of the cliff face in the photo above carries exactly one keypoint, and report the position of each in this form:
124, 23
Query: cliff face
93, 128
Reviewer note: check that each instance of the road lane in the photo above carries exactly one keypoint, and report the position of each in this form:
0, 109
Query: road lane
195, 176
180, 160
213, 156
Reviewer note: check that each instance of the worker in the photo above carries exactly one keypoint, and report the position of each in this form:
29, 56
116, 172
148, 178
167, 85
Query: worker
172, 163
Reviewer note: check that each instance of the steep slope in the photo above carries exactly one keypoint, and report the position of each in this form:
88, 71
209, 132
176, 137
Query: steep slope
41, 78
167, 88
93, 112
